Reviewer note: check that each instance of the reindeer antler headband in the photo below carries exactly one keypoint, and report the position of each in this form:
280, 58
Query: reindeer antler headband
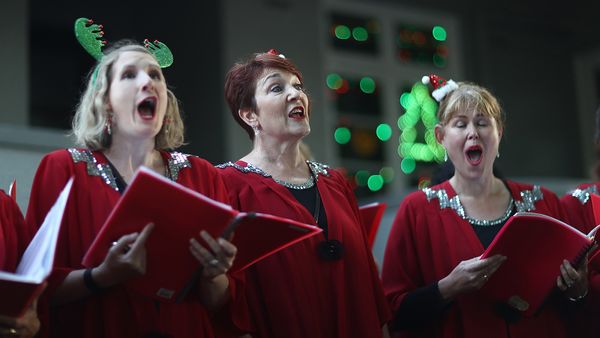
90, 36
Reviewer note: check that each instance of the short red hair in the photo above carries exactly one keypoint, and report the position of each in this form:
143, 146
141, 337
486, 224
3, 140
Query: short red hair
240, 82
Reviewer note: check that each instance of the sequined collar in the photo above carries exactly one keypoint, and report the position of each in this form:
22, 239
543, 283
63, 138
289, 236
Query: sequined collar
583, 195
315, 167
527, 203
175, 163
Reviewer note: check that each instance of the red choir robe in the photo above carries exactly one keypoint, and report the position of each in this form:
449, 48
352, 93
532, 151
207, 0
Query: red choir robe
15, 234
577, 207
427, 241
115, 312
294, 293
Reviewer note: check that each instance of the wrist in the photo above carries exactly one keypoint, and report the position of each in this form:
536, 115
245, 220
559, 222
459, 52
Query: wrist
445, 289
578, 298
90, 281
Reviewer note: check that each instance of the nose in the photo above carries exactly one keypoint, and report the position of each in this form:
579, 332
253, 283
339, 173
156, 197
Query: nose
472, 133
294, 94
147, 83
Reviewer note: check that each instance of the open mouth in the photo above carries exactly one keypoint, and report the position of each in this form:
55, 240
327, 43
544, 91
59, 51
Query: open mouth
297, 113
474, 155
147, 108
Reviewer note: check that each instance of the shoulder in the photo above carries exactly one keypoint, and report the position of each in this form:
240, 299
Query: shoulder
526, 195
187, 160
67, 158
581, 193
179, 163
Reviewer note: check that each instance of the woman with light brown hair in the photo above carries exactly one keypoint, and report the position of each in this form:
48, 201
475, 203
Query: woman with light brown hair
127, 118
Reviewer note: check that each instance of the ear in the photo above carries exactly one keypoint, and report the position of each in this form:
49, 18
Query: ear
249, 116
439, 133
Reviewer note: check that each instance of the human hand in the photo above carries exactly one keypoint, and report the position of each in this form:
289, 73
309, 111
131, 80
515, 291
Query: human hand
25, 326
216, 261
469, 275
126, 259
574, 283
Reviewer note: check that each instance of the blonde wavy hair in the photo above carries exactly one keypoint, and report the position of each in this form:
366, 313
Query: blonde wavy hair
91, 116
467, 97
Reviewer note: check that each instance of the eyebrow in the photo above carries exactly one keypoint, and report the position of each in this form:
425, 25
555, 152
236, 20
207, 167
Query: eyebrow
269, 77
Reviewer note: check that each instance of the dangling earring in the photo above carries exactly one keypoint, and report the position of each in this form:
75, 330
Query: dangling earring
108, 125
256, 131
166, 124
498, 154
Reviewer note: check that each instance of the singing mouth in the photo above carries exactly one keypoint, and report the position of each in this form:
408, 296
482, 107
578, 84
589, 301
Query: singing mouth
147, 108
297, 113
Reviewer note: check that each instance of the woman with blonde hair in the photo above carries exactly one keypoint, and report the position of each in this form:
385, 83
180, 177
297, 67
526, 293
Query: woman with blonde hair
432, 269
127, 118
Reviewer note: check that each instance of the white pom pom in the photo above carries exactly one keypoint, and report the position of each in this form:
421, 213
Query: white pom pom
425, 79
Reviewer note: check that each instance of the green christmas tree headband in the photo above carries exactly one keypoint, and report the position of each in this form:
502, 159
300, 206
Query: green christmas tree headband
90, 36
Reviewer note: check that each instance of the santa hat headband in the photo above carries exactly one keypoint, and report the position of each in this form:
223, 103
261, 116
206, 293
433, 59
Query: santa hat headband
441, 87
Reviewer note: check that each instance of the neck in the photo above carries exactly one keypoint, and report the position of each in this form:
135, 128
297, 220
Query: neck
127, 157
483, 186
276, 157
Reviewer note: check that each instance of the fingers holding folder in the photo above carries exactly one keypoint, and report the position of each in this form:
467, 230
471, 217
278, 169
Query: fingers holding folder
216, 261
573, 282
469, 275
124, 260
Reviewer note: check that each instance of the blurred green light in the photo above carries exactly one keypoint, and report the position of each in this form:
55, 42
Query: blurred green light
334, 81
404, 149
367, 85
361, 177
430, 107
426, 154
420, 92
387, 173
404, 100
430, 137
360, 34
384, 131
439, 33
408, 165
439, 61
342, 135
409, 135
375, 182
342, 32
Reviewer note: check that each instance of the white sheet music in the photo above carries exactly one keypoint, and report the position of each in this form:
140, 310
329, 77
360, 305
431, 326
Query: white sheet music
36, 263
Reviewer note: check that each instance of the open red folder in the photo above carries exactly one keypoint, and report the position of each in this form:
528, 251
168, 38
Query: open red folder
535, 246
19, 289
371, 215
179, 214
594, 259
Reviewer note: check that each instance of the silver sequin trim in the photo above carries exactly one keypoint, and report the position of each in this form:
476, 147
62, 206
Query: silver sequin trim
583, 195
177, 162
529, 197
315, 167
93, 167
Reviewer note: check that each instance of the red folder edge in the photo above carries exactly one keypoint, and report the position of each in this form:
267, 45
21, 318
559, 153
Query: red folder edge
371, 215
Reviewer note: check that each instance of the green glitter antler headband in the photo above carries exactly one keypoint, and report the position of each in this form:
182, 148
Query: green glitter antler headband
90, 37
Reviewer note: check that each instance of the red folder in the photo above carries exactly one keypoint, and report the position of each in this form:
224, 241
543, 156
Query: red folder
535, 246
179, 214
20, 288
371, 215
594, 259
